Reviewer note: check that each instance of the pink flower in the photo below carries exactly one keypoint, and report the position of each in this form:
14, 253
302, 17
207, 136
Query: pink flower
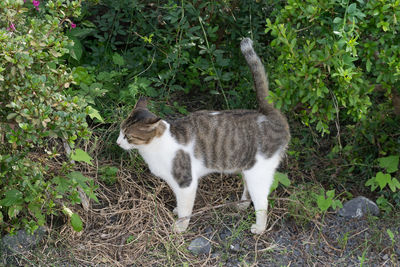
11, 28
36, 4
73, 25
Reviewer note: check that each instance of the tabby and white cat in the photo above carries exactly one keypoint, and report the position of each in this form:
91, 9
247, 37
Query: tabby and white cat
184, 150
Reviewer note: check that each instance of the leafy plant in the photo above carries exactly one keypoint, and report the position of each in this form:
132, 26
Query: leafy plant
108, 174
280, 178
36, 112
384, 180
324, 203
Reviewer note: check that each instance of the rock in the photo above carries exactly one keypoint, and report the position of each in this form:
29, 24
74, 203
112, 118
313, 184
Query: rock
225, 233
200, 245
358, 207
235, 247
22, 241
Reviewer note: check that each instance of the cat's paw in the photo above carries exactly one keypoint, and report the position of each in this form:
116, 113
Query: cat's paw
181, 226
243, 205
175, 211
257, 229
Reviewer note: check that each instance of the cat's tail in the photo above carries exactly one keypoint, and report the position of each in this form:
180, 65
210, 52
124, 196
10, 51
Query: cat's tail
259, 76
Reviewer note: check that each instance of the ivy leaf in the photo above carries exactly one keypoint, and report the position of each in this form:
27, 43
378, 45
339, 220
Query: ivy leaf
394, 185
323, 203
76, 222
390, 163
279, 178
80, 155
382, 179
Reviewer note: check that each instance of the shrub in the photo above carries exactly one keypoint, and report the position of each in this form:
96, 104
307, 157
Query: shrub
330, 55
167, 49
34, 109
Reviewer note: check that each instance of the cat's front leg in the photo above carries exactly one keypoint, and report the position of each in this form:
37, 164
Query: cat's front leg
184, 200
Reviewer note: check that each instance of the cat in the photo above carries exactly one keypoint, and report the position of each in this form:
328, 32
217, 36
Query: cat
232, 141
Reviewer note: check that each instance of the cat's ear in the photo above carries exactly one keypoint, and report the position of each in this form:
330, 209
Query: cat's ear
142, 103
153, 123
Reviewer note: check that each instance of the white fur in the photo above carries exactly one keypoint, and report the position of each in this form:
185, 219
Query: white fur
159, 155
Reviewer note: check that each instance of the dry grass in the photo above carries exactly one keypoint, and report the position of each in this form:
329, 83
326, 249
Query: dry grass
133, 222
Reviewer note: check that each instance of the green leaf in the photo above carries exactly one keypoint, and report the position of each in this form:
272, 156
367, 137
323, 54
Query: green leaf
80, 155
76, 222
323, 203
94, 113
14, 210
79, 178
62, 184
390, 163
13, 197
118, 59
369, 64
394, 185
390, 234
35, 208
372, 183
352, 8
282, 178
382, 179
76, 50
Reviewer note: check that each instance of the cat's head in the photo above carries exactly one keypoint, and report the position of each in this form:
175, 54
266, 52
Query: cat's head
140, 128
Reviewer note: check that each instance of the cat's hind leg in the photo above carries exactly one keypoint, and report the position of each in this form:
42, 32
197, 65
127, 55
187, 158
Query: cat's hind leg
259, 179
245, 200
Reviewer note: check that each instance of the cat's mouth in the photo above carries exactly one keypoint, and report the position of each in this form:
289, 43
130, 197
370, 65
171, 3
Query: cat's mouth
122, 142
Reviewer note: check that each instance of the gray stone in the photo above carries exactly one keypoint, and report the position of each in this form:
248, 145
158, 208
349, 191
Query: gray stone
358, 207
225, 233
22, 241
235, 247
200, 245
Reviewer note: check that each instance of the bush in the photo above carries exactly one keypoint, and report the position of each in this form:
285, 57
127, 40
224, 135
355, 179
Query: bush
166, 50
35, 109
339, 62
330, 56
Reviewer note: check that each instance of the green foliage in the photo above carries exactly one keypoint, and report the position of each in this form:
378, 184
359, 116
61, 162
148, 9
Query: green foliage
80, 155
35, 108
165, 50
384, 180
324, 53
280, 178
324, 203
108, 174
